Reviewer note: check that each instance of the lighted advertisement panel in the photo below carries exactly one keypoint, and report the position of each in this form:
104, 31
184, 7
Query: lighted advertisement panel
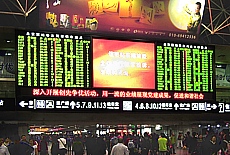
115, 75
123, 64
170, 19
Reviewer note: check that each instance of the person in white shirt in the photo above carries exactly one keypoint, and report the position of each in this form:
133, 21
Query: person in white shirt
120, 148
62, 146
3, 148
35, 147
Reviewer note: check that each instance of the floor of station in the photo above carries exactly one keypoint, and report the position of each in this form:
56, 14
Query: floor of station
178, 152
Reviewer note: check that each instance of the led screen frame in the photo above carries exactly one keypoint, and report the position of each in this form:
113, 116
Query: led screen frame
109, 94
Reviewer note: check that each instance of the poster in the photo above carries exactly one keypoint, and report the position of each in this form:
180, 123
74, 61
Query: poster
7, 65
223, 77
175, 19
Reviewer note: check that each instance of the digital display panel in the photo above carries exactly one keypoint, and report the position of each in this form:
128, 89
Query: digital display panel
123, 64
169, 19
61, 67
183, 67
53, 60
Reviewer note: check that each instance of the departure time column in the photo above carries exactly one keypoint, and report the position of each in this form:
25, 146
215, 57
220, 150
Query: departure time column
87, 43
68, 54
29, 46
79, 63
160, 68
210, 70
168, 68
205, 69
177, 69
58, 63
21, 60
189, 69
44, 62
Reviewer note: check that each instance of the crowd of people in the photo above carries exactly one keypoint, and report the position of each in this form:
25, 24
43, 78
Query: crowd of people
115, 144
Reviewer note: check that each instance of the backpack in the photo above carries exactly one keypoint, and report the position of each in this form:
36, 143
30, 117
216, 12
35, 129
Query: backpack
131, 144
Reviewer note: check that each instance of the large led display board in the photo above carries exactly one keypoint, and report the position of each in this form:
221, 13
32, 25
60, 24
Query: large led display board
170, 19
184, 67
53, 60
79, 73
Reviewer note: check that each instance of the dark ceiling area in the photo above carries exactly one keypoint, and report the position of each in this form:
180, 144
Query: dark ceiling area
215, 27
38, 118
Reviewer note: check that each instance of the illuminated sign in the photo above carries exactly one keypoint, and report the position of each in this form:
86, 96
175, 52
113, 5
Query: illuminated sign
53, 60
183, 67
40, 129
52, 65
7, 65
223, 76
100, 93
123, 64
73, 104
174, 19
116, 105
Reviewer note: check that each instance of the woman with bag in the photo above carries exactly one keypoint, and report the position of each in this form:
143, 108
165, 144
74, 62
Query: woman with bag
62, 146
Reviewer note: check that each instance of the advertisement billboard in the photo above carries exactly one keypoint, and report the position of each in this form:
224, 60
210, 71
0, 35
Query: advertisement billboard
7, 65
170, 19
223, 76
123, 64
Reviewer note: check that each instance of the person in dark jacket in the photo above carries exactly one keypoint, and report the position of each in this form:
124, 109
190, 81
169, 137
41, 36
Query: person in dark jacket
100, 146
145, 144
19, 147
90, 144
211, 147
78, 147
43, 145
55, 145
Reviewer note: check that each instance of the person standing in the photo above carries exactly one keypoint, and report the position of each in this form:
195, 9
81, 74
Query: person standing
78, 147
163, 144
62, 145
55, 145
179, 140
173, 142
19, 147
35, 147
43, 147
145, 144
3, 148
120, 148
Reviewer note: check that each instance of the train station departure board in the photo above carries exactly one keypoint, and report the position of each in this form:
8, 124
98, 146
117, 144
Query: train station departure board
64, 71
182, 67
53, 60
